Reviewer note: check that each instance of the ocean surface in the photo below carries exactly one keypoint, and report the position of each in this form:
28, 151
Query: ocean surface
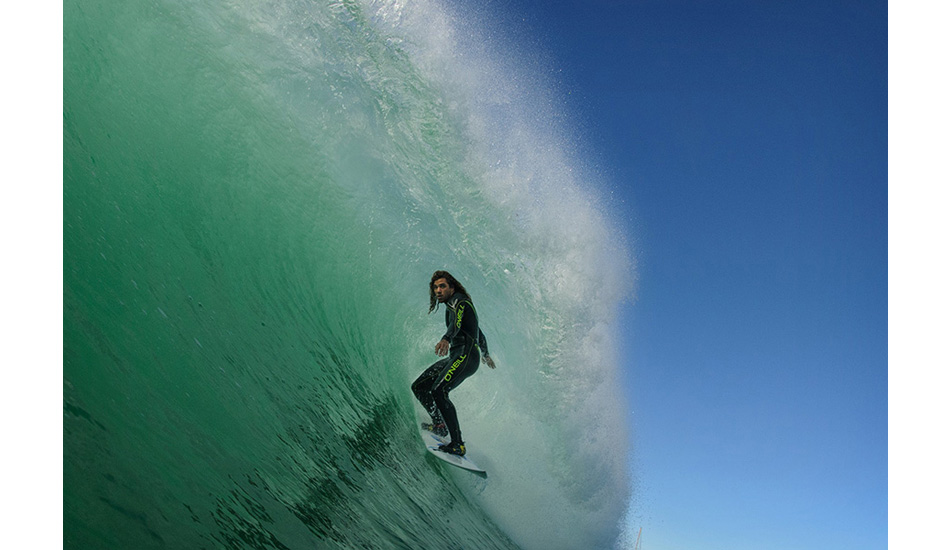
255, 196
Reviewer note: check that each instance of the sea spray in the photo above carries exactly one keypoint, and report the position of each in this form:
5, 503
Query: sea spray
255, 195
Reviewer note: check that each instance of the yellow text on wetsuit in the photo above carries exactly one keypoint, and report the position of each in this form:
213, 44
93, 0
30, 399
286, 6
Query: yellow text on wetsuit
455, 365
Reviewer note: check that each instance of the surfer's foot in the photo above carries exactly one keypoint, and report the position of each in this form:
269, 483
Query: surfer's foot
453, 448
438, 429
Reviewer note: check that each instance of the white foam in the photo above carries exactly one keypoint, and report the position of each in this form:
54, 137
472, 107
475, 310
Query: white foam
549, 424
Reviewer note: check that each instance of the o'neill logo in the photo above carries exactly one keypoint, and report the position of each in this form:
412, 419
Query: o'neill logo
455, 365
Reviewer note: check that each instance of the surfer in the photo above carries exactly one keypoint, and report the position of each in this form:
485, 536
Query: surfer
460, 346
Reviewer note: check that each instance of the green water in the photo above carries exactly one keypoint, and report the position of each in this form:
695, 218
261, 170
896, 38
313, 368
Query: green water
255, 195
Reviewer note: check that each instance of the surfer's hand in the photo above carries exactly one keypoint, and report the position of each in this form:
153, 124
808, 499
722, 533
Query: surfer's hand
489, 361
442, 348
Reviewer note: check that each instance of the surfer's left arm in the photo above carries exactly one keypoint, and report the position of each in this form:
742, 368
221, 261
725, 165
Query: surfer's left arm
483, 346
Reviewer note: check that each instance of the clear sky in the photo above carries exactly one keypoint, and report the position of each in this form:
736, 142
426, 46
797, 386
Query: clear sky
745, 146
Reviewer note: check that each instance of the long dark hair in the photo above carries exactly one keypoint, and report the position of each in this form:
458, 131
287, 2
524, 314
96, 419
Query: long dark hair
453, 282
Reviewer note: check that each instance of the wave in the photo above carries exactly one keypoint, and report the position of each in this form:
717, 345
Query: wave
255, 195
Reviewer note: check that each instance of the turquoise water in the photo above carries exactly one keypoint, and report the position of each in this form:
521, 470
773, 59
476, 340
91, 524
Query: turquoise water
255, 195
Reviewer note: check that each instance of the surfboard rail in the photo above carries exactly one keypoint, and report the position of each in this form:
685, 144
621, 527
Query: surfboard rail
432, 442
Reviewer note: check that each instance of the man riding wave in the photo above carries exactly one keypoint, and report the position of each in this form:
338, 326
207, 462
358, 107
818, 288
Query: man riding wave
462, 346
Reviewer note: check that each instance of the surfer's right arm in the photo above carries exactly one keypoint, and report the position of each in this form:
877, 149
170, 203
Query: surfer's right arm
442, 348
455, 314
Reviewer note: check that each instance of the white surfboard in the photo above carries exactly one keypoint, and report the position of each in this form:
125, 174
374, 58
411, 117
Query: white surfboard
433, 441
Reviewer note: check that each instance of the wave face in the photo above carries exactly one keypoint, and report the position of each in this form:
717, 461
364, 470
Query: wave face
255, 195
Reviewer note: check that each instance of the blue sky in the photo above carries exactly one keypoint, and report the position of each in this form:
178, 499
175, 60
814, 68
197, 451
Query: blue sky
745, 147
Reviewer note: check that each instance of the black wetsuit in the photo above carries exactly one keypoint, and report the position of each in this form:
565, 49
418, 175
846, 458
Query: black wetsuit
465, 339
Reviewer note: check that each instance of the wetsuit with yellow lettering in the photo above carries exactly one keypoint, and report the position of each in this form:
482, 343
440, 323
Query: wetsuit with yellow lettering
465, 341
